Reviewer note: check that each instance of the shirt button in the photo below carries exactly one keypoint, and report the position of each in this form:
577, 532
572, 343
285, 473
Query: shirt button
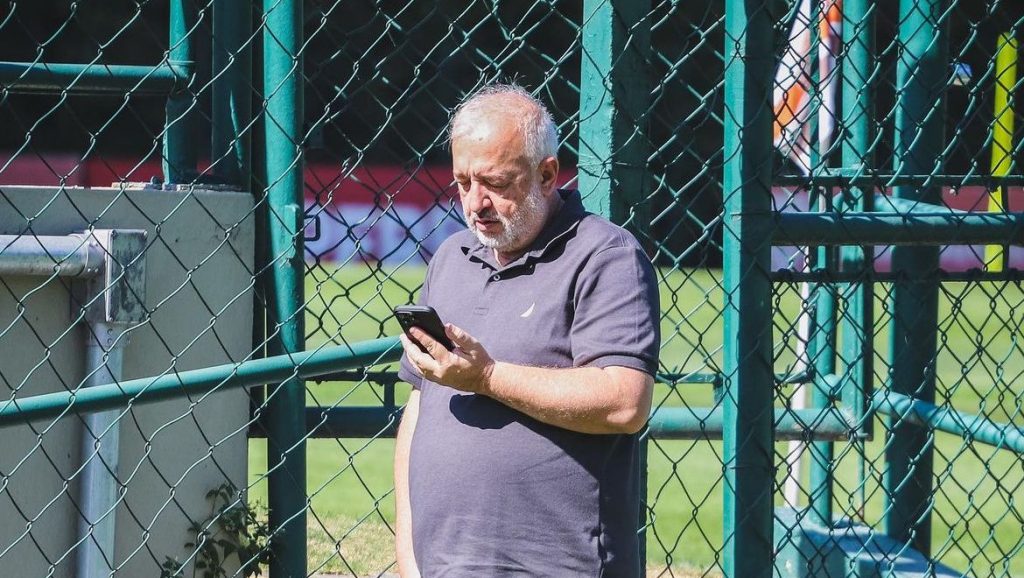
496, 278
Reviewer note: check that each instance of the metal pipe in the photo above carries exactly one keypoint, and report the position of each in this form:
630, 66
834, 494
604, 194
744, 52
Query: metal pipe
614, 102
180, 153
301, 365
903, 408
922, 229
98, 489
50, 78
666, 423
859, 177
232, 79
918, 149
821, 352
972, 276
284, 418
856, 328
75, 255
678, 423
748, 395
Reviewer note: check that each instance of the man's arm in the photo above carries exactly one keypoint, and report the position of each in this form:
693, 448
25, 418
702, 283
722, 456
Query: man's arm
584, 399
403, 515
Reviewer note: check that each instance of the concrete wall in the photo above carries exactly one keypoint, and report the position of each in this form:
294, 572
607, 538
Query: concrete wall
199, 295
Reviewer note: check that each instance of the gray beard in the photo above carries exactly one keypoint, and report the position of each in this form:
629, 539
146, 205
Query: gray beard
514, 228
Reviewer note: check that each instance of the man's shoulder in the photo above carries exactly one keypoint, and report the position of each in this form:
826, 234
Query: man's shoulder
599, 233
453, 245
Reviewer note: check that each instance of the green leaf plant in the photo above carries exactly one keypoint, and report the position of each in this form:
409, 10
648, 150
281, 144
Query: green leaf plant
234, 530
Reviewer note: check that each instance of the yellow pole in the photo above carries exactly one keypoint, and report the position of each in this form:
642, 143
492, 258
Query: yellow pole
1002, 135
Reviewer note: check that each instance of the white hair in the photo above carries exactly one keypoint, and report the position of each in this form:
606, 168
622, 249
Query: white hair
540, 134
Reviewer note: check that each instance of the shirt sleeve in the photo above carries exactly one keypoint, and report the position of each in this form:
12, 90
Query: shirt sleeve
406, 371
616, 321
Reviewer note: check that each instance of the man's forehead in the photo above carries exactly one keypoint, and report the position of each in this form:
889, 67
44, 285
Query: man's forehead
483, 146
487, 125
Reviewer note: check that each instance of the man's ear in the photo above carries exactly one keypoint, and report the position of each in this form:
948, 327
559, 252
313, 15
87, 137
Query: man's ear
548, 170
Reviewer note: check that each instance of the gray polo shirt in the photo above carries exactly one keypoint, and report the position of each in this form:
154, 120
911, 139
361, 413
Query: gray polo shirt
493, 491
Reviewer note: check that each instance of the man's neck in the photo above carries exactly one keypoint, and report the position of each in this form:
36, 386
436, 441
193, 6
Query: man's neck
506, 258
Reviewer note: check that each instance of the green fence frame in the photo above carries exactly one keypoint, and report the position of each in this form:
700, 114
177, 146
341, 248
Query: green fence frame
747, 364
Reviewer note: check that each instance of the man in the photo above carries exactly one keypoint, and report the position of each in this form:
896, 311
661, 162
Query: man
517, 453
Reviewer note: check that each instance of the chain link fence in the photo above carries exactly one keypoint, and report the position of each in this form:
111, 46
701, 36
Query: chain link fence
188, 188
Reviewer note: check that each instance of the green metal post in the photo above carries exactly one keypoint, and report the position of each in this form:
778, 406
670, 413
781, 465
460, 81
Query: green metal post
857, 323
180, 154
614, 99
920, 84
232, 105
821, 352
747, 361
285, 413
613, 142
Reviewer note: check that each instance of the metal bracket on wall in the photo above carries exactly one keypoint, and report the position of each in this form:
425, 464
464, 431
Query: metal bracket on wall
117, 292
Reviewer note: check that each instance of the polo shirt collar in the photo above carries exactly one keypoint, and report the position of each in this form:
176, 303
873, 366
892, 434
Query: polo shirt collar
555, 230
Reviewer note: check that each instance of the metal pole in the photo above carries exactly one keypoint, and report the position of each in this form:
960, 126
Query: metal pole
899, 229
55, 78
232, 106
858, 321
100, 446
613, 141
747, 360
614, 99
75, 255
180, 154
975, 427
822, 354
920, 84
305, 364
285, 414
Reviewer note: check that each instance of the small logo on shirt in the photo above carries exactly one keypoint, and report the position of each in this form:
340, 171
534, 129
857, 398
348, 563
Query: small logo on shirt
528, 312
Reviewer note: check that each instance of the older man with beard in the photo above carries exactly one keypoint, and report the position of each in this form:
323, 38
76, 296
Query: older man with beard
517, 453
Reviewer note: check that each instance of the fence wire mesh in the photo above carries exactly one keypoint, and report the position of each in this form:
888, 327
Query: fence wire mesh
923, 125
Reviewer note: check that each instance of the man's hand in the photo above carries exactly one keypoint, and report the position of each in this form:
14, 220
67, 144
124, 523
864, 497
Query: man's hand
467, 368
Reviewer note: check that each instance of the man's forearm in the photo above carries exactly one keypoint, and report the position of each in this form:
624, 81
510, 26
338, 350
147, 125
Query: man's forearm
403, 514
584, 399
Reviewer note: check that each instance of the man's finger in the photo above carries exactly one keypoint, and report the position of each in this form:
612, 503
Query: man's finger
459, 336
433, 347
423, 362
411, 351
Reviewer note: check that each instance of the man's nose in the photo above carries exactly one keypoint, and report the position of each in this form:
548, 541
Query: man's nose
476, 198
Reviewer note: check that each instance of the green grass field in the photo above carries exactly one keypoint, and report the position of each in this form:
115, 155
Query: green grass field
977, 521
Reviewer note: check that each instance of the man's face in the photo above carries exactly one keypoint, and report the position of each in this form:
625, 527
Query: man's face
501, 194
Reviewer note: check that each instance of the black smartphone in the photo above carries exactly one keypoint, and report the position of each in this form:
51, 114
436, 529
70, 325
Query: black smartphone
426, 319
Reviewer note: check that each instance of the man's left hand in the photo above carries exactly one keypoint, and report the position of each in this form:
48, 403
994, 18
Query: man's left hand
467, 367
